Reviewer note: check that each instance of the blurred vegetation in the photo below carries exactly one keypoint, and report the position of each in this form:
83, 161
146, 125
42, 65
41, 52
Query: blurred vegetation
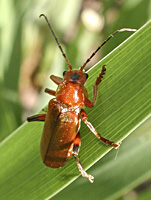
29, 54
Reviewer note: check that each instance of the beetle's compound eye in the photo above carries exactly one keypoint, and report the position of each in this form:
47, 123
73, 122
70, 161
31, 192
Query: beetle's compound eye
64, 73
86, 75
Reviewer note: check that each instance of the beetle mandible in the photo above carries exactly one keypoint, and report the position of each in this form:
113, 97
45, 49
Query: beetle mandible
61, 138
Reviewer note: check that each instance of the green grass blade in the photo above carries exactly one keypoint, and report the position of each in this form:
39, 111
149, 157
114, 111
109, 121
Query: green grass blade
10, 57
124, 101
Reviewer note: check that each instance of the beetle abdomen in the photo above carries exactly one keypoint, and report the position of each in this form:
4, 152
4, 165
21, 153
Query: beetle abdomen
60, 130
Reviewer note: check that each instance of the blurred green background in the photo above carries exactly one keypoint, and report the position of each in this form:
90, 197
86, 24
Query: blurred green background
29, 54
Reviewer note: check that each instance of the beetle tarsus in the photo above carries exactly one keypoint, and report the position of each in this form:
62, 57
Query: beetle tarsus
81, 170
116, 146
108, 142
76, 147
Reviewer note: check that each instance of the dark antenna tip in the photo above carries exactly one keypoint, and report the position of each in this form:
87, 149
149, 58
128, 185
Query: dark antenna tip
41, 15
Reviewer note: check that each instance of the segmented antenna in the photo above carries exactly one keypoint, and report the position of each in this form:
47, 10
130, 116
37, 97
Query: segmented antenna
64, 55
111, 36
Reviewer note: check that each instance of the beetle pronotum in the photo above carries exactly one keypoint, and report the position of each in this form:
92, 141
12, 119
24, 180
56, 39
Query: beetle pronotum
61, 136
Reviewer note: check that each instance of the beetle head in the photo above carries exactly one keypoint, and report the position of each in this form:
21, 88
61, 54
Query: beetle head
75, 76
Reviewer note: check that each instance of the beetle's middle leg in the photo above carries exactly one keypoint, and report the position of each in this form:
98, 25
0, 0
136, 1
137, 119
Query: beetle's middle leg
56, 80
75, 150
51, 92
90, 126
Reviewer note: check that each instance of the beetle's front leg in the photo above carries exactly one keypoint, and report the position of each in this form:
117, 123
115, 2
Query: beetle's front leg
56, 80
75, 151
88, 103
92, 129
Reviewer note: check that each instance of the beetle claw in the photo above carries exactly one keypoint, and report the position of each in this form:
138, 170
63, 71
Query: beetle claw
116, 146
91, 178
84, 174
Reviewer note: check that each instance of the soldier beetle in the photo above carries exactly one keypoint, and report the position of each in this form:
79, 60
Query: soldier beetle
61, 138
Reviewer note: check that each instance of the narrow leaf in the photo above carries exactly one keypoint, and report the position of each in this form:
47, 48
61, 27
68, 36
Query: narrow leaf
124, 101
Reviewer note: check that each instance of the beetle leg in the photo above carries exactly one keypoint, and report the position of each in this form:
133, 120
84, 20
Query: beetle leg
75, 151
56, 79
40, 117
88, 103
51, 92
81, 170
76, 145
92, 129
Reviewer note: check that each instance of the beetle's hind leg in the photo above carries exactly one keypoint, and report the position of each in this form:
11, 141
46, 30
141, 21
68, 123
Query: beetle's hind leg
81, 170
40, 117
75, 151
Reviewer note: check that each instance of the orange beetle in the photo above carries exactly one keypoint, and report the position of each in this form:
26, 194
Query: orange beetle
61, 137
